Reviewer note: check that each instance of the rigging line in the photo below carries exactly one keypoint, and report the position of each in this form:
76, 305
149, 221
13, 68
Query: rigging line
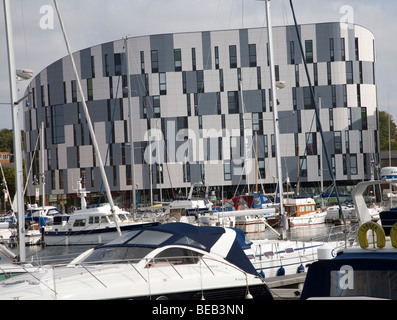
317, 114
111, 129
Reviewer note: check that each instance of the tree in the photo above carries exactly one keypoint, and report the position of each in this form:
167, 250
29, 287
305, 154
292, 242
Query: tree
6, 144
384, 131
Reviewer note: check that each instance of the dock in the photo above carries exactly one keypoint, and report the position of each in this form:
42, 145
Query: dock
287, 287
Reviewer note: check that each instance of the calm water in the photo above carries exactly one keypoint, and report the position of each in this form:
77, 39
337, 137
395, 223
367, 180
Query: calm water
64, 254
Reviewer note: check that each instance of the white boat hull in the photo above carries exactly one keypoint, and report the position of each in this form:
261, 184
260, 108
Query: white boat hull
88, 237
308, 219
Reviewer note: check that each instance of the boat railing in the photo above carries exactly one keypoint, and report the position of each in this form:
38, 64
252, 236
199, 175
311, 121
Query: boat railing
92, 269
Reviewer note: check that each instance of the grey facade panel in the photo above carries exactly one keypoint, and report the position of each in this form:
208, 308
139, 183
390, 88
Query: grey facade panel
85, 63
108, 59
164, 44
206, 47
325, 32
244, 55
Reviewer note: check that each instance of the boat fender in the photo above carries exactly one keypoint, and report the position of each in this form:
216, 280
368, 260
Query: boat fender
380, 234
300, 269
281, 272
393, 235
262, 274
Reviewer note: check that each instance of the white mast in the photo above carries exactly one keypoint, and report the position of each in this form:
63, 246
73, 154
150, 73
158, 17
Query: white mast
89, 123
275, 119
16, 131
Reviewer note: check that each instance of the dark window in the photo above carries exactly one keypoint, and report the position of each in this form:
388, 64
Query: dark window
178, 60
233, 56
155, 61
252, 55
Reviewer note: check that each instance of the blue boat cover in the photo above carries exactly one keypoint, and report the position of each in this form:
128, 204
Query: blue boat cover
201, 237
318, 279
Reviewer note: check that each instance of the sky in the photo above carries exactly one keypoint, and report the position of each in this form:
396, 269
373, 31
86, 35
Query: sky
38, 42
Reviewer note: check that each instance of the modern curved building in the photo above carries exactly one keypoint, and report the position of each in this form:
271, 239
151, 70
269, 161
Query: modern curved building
203, 112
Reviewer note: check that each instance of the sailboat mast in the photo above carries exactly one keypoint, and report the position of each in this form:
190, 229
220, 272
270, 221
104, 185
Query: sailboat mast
16, 131
275, 119
127, 62
89, 123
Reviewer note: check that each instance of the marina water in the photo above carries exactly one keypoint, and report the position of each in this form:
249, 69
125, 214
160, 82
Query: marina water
64, 254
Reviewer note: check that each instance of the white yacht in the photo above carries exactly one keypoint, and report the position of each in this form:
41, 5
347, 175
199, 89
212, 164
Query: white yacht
91, 226
170, 261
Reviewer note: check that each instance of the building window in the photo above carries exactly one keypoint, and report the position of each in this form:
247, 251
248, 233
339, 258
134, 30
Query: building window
356, 49
333, 88
90, 90
261, 168
297, 75
364, 123
299, 120
331, 49
331, 119
159, 173
259, 78
156, 106
353, 164
200, 81
223, 121
344, 96
142, 54
186, 172
333, 164
292, 52
216, 57
194, 59
296, 140
360, 71
189, 105
277, 72
349, 72
233, 56
270, 100
227, 171
218, 103
329, 73
106, 65
252, 55
294, 102
57, 124
265, 146
117, 63
221, 82
233, 102
315, 74
309, 51
311, 143
358, 95
307, 98
273, 145
178, 60
263, 93
42, 93
155, 61
163, 83
257, 123
347, 144
74, 91
349, 118
338, 142
342, 44
302, 166
344, 162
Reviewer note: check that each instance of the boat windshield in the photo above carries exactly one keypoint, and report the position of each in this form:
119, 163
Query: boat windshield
117, 254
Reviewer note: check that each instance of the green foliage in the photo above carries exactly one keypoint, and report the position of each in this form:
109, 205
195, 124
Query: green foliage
6, 144
384, 132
